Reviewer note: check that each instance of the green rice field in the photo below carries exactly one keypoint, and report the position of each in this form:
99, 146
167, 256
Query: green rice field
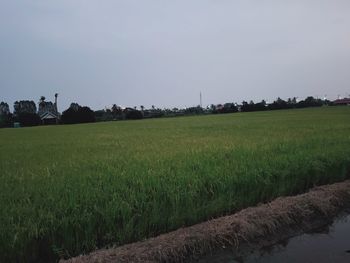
69, 189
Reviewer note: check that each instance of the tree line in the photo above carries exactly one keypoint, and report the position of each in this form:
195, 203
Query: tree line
25, 111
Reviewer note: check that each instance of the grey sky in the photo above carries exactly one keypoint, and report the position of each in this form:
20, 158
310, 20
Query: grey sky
164, 52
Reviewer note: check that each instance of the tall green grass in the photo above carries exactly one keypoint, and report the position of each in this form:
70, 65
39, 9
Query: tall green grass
66, 190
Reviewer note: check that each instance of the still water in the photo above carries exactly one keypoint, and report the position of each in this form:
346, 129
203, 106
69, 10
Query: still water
327, 245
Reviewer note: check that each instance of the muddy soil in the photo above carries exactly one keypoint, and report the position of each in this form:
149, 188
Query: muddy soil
249, 229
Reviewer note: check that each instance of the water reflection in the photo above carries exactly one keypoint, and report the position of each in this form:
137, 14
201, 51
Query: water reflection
329, 244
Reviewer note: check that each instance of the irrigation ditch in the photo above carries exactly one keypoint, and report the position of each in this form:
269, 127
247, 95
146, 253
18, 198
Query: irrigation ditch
244, 231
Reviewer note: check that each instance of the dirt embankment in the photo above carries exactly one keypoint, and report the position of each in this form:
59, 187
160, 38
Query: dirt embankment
250, 228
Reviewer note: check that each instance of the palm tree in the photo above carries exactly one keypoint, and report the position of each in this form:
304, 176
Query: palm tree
56, 108
42, 103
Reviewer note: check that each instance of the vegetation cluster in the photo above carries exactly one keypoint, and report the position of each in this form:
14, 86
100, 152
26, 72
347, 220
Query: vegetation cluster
77, 114
26, 114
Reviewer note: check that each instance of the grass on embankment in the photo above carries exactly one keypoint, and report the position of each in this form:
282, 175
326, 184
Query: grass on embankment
66, 190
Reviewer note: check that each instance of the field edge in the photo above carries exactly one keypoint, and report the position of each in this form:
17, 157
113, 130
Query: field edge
253, 227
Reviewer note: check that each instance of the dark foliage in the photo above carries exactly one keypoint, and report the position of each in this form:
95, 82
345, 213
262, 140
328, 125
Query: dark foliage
117, 112
6, 120
194, 110
77, 114
310, 102
280, 104
25, 111
99, 115
228, 108
28, 119
24, 106
132, 114
154, 113
251, 106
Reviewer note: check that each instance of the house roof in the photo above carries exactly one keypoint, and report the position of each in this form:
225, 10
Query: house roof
48, 115
342, 101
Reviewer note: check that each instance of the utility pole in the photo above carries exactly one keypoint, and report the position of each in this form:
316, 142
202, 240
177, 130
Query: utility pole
200, 99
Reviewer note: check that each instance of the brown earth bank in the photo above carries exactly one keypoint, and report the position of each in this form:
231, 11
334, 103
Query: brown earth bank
248, 229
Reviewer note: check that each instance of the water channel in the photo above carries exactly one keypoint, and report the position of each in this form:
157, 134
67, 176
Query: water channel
327, 245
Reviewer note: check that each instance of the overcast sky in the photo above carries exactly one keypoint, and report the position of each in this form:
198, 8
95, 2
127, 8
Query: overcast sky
164, 52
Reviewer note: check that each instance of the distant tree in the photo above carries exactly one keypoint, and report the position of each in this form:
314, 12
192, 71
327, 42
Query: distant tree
99, 115
228, 108
42, 103
107, 115
212, 109
86, 115
117, 112
278, 104
326, 102
133, 114
292, 103
75, 106
6, 118
4, 108
246, 106
142, 110
77, 114
310, 102
25, 113
154, 112
69, 116
251, 106
24, 106
260, 106
194, 110
168, 112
